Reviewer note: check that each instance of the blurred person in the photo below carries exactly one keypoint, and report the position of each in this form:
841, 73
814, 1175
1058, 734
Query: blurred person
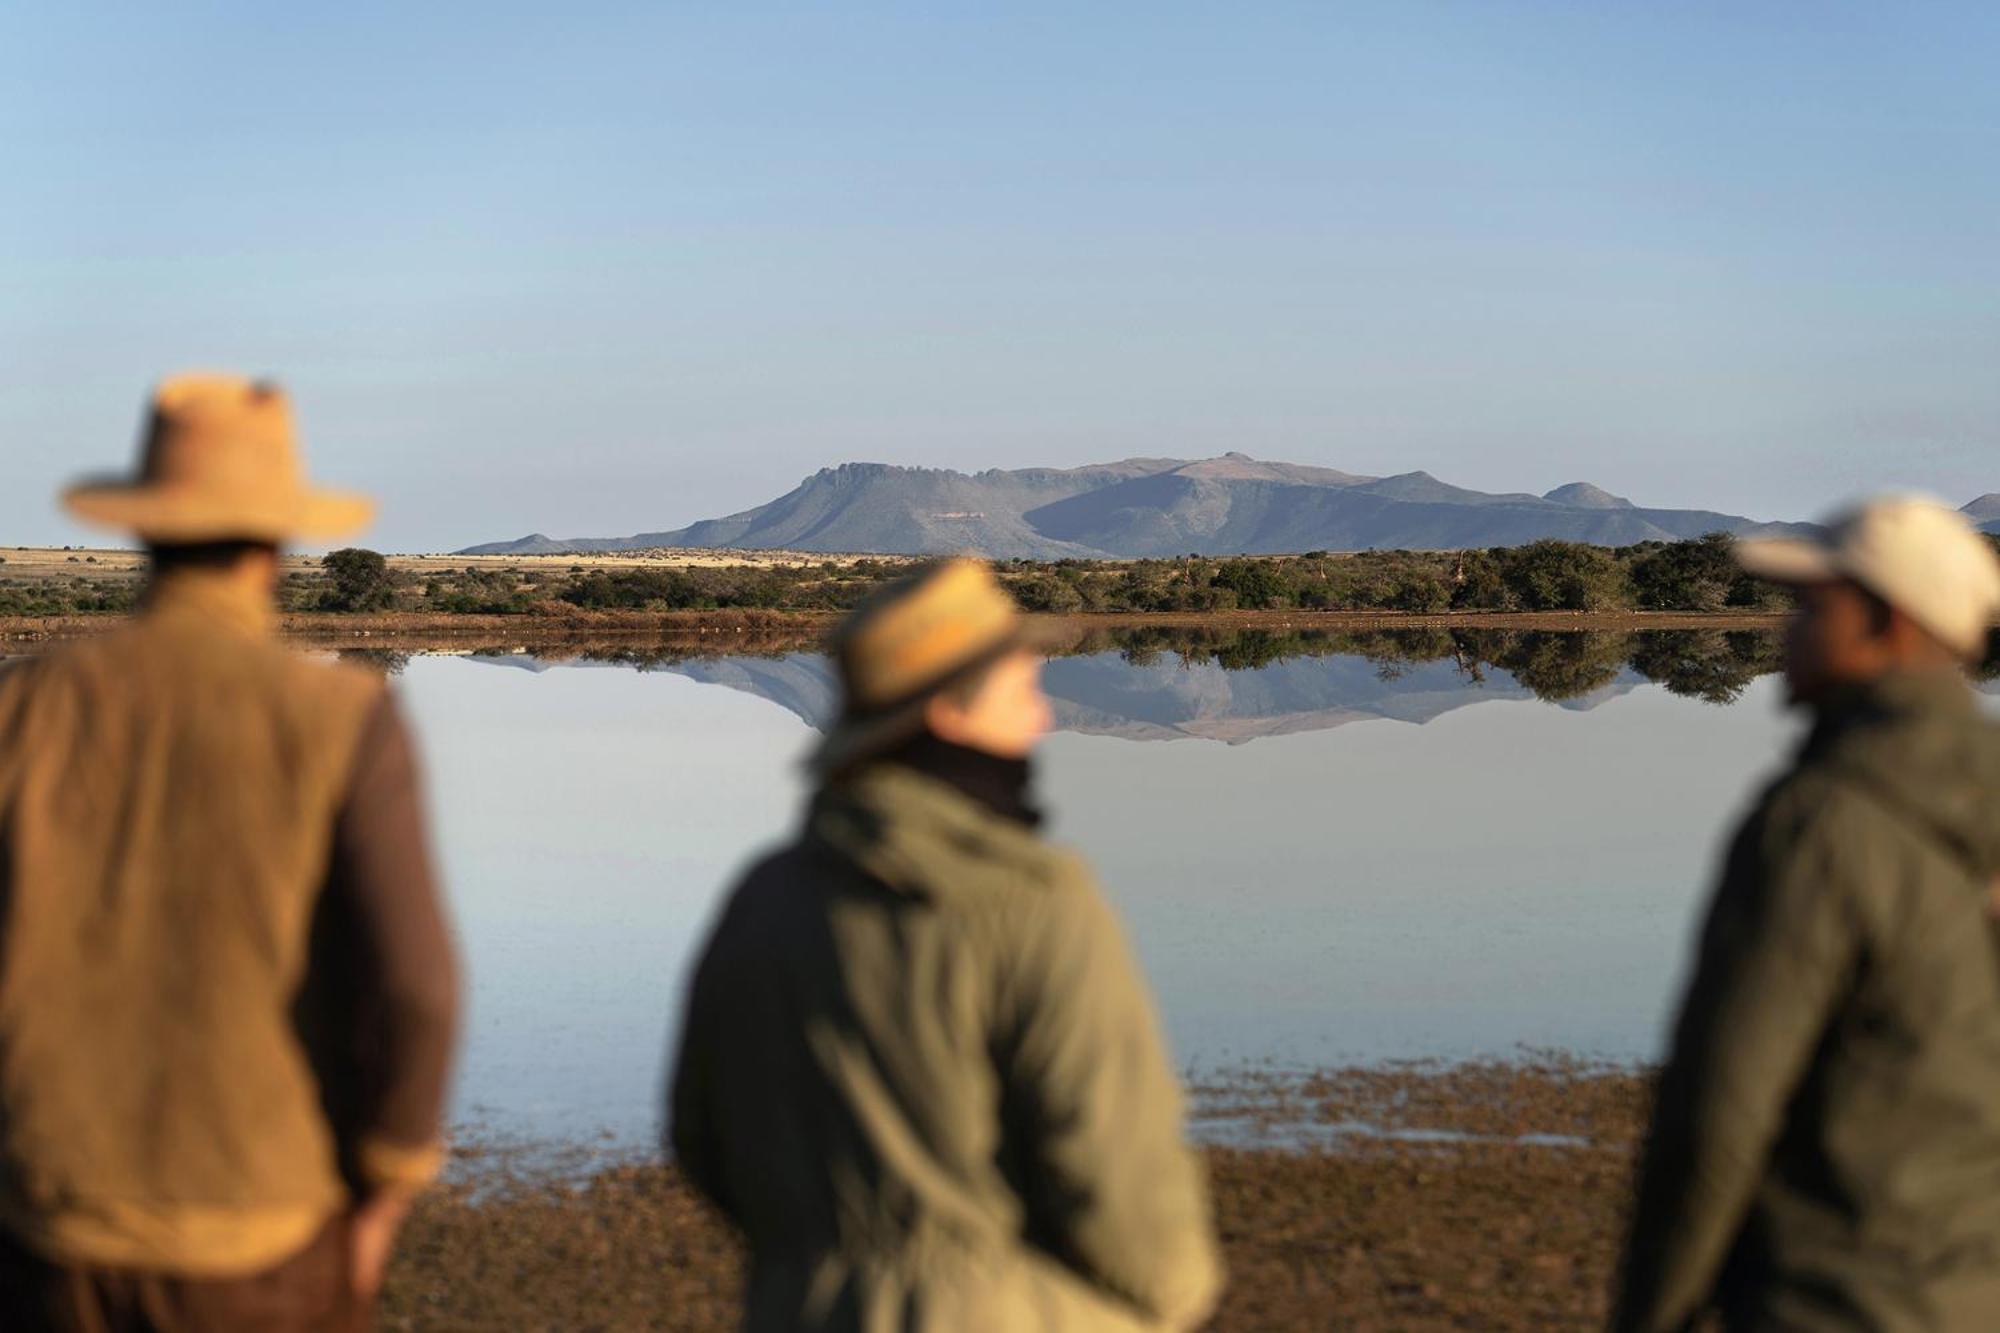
227, 989
919, 1067
1825, 1148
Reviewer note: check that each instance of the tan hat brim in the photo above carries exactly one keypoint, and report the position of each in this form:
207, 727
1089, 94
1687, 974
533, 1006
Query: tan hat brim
1787, 560
169, 514
852, 740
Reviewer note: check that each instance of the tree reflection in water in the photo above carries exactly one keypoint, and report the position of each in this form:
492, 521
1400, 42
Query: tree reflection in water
1715, 666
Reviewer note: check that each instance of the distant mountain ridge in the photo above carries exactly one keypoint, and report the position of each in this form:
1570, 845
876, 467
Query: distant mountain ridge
1160, 507
1985, 512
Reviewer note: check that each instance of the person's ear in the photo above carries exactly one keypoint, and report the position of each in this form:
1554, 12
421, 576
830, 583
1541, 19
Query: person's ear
942, 715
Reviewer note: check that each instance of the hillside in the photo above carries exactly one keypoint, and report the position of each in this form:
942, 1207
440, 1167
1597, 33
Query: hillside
1985, 511
1155, 507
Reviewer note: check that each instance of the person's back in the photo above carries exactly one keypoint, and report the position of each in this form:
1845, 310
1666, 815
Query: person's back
167, 802
920, 1070
1826, 1143
226, 987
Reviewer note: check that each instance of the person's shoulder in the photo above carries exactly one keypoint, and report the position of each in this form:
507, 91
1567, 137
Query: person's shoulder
772, 894
324, 680
1818, 839
776, 868
775, 880
1813, 806
1064, 872
68, 660
1055, 890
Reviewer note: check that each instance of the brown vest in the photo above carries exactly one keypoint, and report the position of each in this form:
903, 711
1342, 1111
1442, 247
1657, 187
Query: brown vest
168, 791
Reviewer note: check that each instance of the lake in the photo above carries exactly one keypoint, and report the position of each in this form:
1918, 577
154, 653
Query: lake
1328, 850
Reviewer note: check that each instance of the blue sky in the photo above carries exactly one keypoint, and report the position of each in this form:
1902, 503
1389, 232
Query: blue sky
600, 269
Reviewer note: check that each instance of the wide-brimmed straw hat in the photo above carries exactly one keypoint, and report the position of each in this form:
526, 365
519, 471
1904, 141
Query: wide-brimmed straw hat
1920, 556
917, 636
219, 461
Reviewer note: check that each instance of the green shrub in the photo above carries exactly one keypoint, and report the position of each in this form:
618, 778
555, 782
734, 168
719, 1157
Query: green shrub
357, 580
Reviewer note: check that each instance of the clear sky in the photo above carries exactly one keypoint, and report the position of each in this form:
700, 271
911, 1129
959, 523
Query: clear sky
592, 270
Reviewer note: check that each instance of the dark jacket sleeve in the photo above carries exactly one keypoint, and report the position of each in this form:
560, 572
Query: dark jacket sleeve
1094, 1110
1775, 955
690, 1120
384, 989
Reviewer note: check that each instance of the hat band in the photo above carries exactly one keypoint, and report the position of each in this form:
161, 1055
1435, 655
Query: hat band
949, 676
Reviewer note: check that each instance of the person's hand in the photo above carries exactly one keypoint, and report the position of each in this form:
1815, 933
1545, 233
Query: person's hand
373, 1233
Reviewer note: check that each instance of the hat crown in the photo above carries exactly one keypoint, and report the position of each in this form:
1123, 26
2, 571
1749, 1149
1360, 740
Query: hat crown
1924, 558
918, 633
219, 461
223, 433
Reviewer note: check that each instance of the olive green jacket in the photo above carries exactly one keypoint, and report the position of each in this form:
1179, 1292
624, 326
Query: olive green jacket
922, 1073
1825, 1150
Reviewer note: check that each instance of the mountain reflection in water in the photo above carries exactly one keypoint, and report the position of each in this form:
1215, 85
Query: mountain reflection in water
1238, 685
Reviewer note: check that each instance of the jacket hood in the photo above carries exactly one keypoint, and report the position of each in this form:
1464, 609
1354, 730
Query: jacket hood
1922, 745
922, 836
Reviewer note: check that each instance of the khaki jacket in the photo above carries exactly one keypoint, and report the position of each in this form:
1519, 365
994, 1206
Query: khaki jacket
1825, 1152
171, 798
921, 1071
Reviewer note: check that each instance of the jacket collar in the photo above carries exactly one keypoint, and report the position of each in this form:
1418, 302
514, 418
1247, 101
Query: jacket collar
908, 829
1920, 744
216, 600
1902, 694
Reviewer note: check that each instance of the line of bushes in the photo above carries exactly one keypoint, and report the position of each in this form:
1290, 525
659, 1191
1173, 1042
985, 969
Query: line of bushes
1697, 575
1685, 576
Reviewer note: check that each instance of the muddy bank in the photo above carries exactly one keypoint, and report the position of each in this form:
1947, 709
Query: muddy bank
1506, 1218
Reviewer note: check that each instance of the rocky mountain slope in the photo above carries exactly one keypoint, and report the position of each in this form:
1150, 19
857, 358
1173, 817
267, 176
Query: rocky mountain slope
1985, 511
1156, 507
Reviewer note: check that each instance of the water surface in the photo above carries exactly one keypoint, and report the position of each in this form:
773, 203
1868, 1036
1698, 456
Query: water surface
1326, 852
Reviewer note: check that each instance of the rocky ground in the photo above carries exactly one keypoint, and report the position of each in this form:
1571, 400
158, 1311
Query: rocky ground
1481, 1197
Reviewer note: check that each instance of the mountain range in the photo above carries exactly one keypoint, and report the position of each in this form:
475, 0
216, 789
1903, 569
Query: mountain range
1163, 507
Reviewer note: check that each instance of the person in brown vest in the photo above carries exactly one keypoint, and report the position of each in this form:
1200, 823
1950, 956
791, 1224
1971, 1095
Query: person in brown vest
227, 987
919, 1067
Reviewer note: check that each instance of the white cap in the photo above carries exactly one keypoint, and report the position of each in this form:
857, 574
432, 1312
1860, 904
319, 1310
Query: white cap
1922, 558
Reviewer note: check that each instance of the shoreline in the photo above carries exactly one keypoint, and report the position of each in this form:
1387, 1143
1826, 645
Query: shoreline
1488, 1195
405, 626
1406, 1238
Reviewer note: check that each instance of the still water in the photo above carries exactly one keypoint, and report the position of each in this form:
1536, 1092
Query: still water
1324, 858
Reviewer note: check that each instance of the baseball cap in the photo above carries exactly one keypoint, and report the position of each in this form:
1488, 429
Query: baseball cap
1921, 557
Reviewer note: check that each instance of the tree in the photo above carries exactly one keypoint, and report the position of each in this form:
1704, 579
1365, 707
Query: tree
1476, 582
1554, 575
1256, 583
358, 579
1422, 593
1047, 593
1696, 575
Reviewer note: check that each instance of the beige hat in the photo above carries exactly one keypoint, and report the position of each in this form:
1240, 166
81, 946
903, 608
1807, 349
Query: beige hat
907, 642
220, 462
1922, 558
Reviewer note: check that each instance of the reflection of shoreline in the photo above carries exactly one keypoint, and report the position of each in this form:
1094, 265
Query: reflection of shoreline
1240, 685
1214, 681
